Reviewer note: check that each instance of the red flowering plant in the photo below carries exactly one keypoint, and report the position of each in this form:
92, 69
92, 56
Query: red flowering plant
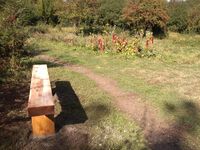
101, 44
119, 42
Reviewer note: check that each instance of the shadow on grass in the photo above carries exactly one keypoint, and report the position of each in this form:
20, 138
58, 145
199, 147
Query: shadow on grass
97, 112
69, 59
34, 51
13, 98
39, 62
14, 123
14, 130
186, 121
71, 132
71, 111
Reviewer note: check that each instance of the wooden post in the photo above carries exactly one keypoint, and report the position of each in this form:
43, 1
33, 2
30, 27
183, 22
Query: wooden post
43, 125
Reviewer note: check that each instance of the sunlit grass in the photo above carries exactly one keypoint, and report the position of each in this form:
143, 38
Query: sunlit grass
108, 128
170, 78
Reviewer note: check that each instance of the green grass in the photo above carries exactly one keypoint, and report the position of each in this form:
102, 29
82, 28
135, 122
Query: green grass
107, 127
148, 77
170, 79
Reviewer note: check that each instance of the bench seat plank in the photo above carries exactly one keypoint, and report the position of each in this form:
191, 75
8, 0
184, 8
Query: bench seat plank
40, 101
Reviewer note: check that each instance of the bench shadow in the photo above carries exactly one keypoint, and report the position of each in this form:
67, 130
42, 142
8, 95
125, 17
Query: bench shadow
71, 110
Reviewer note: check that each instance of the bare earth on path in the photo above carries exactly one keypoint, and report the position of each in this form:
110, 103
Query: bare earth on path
160, 133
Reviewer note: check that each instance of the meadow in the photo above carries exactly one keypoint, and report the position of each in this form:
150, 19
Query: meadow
124, 74
169, 82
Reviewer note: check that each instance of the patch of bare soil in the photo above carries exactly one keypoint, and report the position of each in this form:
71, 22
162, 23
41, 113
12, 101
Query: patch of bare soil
72, 137
160, 134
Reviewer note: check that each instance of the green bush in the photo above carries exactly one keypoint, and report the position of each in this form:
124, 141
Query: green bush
91, 29
110, 12
39, 28
184, 16
28, 17
146, 15
12, 39
178, 17
12, 42
194, 19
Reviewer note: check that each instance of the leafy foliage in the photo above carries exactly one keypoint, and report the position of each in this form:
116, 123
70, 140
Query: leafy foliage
146, 15
184, 16
110, 12
45, 10
178, 17
94, 15
194, 19
12, 37
78, 11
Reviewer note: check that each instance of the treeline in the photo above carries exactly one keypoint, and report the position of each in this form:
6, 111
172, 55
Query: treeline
132, 15
158, 16
93, 15
15, 16
90, 16
184, 16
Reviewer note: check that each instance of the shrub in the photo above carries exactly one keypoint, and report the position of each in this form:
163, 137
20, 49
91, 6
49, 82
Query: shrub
28, 17
146, 15
194, 19
110, 12
40, 28
12, 38
184, 16
91, 29
178, 17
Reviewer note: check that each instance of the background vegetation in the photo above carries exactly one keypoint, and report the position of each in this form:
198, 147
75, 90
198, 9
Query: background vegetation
113, 38
18, 19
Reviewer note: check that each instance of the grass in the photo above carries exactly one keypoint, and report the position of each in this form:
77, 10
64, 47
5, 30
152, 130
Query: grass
106, 126
170, 79
162, 76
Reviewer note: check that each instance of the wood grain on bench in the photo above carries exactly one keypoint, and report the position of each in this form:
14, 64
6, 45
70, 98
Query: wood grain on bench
41, 101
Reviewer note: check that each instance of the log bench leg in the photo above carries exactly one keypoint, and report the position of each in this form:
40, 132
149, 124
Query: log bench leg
43, 125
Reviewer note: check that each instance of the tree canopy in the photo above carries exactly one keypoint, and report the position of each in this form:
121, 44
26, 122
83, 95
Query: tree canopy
145, 14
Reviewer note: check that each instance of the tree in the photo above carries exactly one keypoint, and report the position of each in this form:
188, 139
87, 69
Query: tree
79, 11
45, 10
146, 15
184, 16
194, 19
110, 12
12, 37
178, 12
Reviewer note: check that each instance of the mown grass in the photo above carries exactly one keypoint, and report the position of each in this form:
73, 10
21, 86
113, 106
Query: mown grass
106, 126
170, 79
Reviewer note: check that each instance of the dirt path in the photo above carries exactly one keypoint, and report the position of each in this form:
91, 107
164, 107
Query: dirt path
159, 133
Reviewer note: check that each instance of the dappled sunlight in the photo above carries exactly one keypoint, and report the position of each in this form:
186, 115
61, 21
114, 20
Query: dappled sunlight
186, 121
124, 74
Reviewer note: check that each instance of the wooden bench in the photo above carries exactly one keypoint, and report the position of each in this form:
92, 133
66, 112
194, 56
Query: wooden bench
41, 102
